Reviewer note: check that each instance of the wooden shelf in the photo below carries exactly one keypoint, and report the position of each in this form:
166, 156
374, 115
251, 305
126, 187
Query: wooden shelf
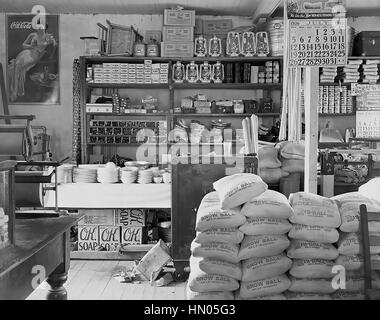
326, 115
100, 59
223, 115
160, 114
128, 85
236, 86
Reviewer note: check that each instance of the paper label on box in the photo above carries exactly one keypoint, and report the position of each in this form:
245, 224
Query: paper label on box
131, 235
97, 217
109, 237
88, 238
131, 217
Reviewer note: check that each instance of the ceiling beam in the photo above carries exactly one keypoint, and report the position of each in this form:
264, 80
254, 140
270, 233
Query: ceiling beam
265, 9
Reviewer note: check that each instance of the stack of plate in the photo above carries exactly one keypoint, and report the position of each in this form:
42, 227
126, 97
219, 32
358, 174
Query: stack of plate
129, 174
145, 176
65, 173
276, 32
84, 175
108, 175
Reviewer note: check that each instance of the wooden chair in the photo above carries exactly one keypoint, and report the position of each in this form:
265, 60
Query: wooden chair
367, 242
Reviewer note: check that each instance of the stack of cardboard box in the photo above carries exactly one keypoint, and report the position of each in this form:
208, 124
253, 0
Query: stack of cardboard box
178, 33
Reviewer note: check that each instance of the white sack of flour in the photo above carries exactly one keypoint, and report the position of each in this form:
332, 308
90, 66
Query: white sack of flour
270, 204
314, 233
200, 281
303, 249
267, 267
344, 295
216, 250
293, 165
350, 263
262, 226
211, 216
191, 295
268, 158
307, 296
273, 175
371, 189
221, 267
292, 150
312, 269
235, 190
349, 244
313, 210
265, 287
319, 286
262, 246
272, 297
228, 235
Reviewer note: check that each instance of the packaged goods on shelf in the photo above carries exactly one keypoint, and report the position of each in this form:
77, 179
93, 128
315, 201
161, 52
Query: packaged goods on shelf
174, 17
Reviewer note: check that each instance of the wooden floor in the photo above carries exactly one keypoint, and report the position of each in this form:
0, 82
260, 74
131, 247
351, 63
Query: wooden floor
92, 280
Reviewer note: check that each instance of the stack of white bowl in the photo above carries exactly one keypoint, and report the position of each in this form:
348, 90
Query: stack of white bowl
145, 176
109, 174
129, 174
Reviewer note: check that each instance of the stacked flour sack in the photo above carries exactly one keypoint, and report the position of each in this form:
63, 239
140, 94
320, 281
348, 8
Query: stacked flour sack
349, 245
270, 166
313, 234
264, 263
215, 268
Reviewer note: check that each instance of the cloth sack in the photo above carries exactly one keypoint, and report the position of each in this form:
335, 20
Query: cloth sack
314, 233
200, 281
273, 297
267, 267
262, 226
316, 286
216, 250
271, 176
350, 263
270, 204
262, 246
238, 189
292, 150
371, 189
304, 249
312, 269
268, 158
344, 295
228, 235
293, 165
265, 287
221, 267
211, 216
191, 295
313, 210
307, 296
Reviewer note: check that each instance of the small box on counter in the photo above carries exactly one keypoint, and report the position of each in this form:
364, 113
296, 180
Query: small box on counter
109, 238
180, 50
173, 17
88, 238
178, 34
131, 217
133, 235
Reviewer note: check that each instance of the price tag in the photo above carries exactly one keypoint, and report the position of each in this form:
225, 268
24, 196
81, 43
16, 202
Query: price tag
317, 43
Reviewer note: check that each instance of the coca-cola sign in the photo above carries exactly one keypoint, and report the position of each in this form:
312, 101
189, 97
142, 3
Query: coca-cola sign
20, 25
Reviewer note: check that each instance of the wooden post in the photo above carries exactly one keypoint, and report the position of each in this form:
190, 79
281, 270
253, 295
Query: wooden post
311, 132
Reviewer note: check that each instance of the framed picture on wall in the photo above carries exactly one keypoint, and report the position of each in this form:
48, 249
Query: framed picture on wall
32, 60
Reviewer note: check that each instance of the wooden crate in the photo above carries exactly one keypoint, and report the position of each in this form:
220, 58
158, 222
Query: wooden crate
177, 50
178, 34
174, 17
131, 217
221, 26
88, 238
109, 237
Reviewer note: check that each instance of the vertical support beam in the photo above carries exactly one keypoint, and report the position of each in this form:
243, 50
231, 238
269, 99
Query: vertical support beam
311, 133
3, 91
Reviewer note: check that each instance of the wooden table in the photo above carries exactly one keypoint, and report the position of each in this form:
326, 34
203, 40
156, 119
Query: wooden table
41, 252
